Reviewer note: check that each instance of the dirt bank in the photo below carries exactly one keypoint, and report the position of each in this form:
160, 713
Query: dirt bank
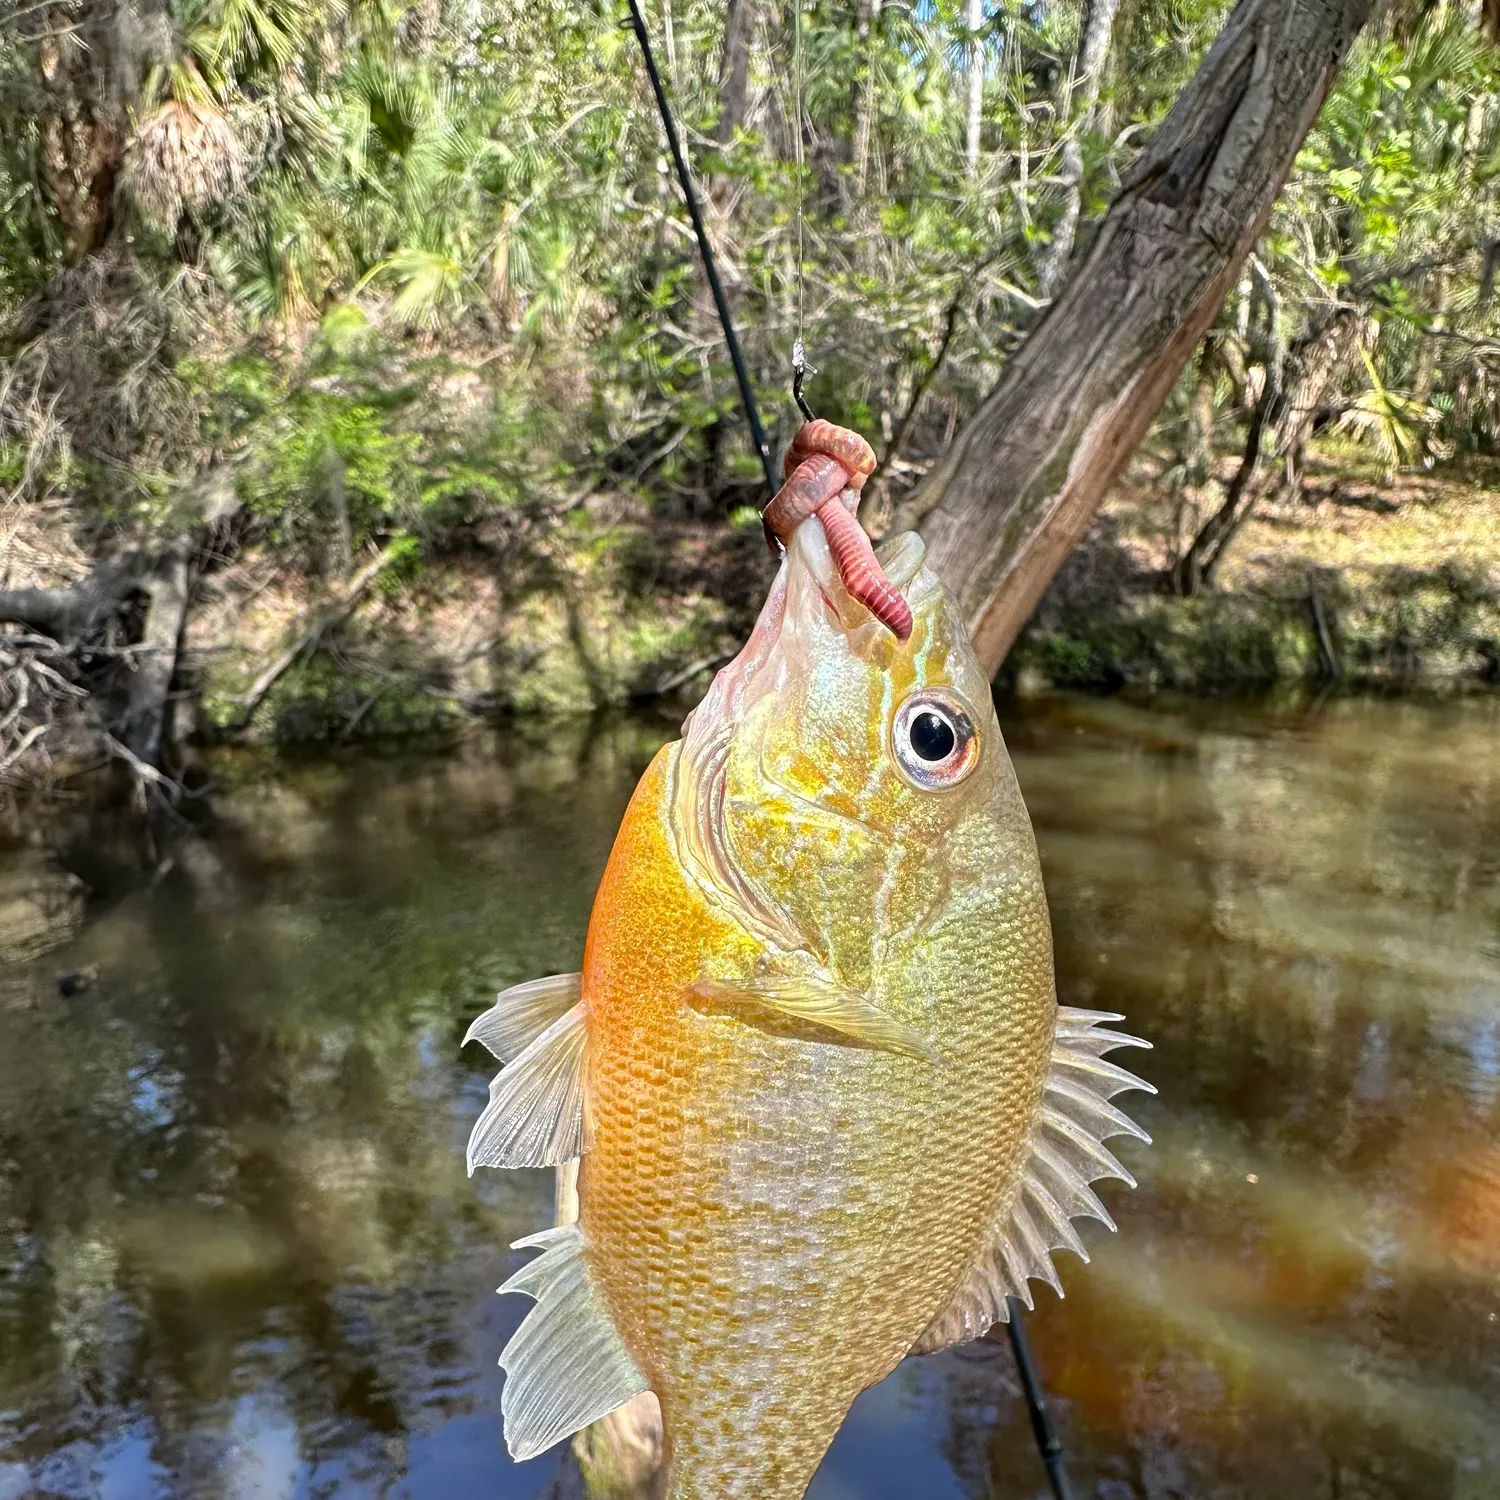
1362, 577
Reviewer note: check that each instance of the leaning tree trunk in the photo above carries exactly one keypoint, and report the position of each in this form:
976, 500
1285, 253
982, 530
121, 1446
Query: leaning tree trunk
1023, 479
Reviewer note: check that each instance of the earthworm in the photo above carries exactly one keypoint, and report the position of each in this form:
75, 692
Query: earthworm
861, 571
822, 463
838, 443
809, 487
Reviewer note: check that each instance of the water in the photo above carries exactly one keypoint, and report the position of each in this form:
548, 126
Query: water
239, 1256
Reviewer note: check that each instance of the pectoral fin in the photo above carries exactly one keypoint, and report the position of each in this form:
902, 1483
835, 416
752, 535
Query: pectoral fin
809, 1008
523, 1012
535, 1117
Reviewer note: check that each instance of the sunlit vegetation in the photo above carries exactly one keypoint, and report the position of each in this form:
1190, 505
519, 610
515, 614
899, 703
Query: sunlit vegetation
412, 276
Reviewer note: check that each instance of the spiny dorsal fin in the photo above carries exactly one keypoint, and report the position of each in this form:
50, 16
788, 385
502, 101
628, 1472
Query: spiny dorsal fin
810, 1008
565, 1366
535, 1114
523, 1012
1067, 1154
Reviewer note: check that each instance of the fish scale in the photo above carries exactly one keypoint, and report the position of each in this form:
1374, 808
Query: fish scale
829, 1110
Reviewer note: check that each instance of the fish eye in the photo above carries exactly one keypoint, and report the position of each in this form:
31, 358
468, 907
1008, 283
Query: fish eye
934, 740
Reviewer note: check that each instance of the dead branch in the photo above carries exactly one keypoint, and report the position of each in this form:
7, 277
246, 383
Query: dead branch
322, 621
69, 614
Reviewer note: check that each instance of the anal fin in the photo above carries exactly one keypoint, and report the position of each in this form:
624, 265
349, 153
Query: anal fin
565, 1366
810, 1009
535, 1116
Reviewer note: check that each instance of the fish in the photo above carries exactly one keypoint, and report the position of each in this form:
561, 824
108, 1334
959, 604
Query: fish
828, 1108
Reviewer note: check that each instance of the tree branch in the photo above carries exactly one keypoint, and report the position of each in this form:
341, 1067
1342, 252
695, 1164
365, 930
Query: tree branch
70, 613
322, 621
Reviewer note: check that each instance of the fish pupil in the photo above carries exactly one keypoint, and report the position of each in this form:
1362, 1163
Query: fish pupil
932, 736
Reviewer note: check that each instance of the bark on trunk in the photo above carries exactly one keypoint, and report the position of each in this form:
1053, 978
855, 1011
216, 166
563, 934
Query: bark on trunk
1018, 488
156, 656
734, 69
80, 128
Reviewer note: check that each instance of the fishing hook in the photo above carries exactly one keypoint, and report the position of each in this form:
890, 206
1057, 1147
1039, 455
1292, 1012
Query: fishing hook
799, 371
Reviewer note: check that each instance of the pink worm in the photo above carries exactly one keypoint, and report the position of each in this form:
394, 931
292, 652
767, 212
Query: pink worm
822, 462
861, 571
840, 444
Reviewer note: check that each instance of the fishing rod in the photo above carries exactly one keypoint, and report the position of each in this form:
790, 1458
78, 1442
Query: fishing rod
706, 251
1047, 1442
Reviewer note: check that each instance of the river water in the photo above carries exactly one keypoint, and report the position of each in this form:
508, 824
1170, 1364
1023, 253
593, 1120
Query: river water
239, 1256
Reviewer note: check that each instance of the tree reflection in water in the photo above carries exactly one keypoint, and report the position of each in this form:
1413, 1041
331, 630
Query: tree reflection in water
239, 1257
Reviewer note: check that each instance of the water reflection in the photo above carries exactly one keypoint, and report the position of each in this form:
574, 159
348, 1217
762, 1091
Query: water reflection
239, 1257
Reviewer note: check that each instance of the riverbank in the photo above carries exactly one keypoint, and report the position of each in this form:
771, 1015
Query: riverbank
1362, 578
615, 605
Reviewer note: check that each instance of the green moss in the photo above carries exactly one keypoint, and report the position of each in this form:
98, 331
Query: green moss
322, 698
1394, 623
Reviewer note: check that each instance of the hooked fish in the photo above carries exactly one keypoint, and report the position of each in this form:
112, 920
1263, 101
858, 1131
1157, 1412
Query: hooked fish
828, 1108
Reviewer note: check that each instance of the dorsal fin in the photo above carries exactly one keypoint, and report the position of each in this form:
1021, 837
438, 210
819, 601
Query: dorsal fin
1067, 1154
565, 1366
523, 1012
535, 1115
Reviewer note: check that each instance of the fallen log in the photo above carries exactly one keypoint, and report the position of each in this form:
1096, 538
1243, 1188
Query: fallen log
78, 616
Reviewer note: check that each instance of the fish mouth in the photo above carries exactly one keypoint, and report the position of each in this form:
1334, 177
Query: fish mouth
808, 594
811, 561
808, 614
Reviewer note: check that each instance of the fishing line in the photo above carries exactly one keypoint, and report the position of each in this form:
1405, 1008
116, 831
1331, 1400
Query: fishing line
706, 251
797, 155
799, 345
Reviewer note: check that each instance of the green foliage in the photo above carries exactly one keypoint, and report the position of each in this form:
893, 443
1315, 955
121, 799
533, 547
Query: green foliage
412, 264
330, 451
1392, 422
